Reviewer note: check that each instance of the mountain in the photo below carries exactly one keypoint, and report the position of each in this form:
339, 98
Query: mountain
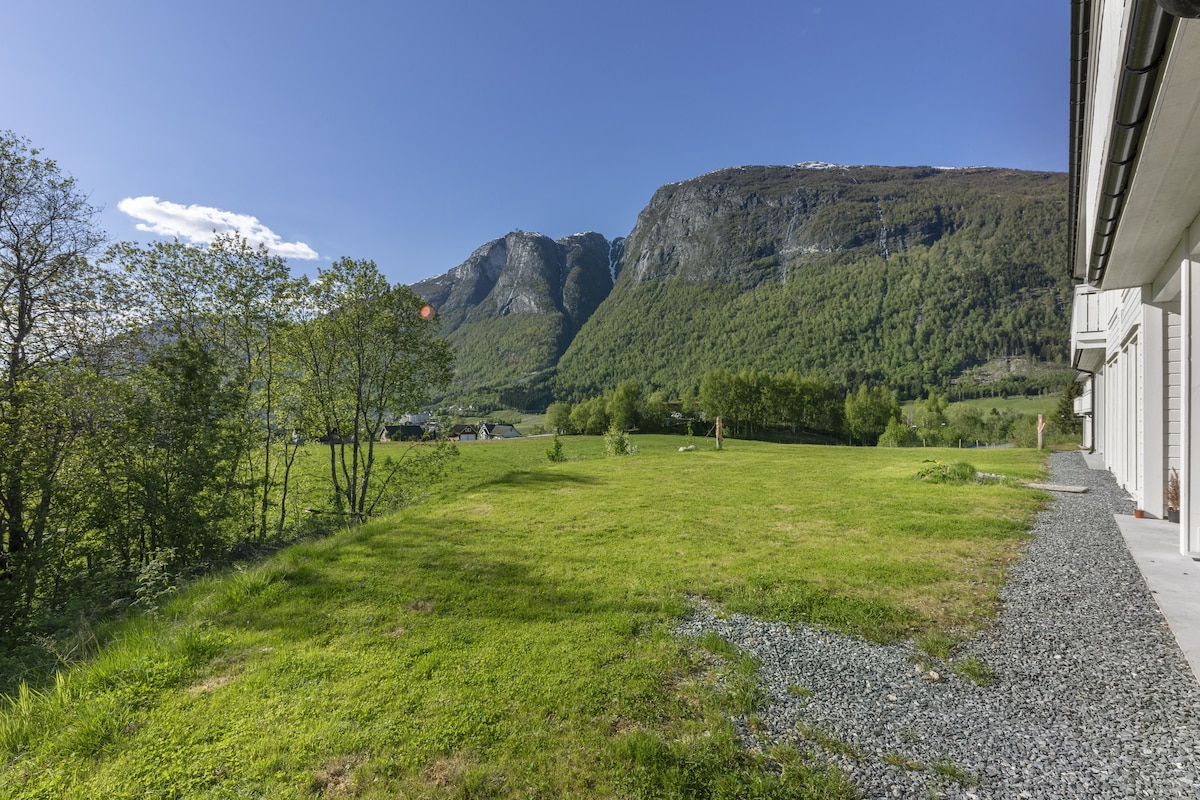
512, 308
916, 277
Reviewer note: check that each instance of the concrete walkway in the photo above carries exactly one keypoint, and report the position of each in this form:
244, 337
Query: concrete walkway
1173, 578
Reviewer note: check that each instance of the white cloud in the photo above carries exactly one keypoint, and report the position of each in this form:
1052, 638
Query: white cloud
201, 224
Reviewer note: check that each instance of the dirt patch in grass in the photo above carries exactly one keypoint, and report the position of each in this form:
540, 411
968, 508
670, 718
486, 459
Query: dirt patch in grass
623, 725
447, 772
209, 684
335, 779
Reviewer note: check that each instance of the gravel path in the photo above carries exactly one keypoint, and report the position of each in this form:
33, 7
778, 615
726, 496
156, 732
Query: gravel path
1090, 696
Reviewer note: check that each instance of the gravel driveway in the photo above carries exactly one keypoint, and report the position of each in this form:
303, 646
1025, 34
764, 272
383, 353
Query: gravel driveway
1090, 696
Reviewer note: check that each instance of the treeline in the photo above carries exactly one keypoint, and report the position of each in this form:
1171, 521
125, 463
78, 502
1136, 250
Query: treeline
750, 404
934, 422
753, 404
154, 400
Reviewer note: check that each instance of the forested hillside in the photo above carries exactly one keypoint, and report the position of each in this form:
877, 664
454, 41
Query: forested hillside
906, 277
912, 277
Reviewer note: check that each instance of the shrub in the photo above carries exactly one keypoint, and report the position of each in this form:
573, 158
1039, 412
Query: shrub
616, 443
937, 472
898, 434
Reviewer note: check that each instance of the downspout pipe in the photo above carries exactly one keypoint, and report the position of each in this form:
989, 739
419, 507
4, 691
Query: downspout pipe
1149, 31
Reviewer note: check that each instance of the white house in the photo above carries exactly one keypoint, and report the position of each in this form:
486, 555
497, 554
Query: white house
1135, 244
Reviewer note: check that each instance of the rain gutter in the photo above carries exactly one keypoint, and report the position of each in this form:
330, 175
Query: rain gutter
1149, 31
1081, 15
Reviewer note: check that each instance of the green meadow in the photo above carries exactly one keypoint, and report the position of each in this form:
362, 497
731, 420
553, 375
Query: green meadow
1044, 404
511, 636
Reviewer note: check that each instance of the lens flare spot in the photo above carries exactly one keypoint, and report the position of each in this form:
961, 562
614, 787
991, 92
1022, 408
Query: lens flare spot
427, 312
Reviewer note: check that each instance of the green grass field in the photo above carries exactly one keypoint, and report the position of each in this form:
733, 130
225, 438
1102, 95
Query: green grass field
1040, 404
511, 637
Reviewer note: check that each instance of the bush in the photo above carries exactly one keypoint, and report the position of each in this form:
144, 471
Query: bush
937, 472
898, 434
616, 443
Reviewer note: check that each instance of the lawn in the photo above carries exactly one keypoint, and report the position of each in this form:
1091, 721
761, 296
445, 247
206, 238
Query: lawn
511, 637
1038, 404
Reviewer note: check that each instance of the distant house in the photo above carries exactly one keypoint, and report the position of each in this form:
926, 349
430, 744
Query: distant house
464, 433
497, 430
401, 433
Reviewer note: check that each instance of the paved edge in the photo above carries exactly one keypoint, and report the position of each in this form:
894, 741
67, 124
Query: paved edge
1173, 578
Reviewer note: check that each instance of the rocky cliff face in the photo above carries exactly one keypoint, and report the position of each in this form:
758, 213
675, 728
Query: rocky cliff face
516, 303
527, 273
750, 225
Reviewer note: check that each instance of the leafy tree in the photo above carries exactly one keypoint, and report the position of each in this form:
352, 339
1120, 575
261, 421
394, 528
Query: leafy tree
656, 411
237, 299
617, 443
898, 434
366, 356
1000, 425
558, 418
689, 405
716, 394
254, 293
554, 453
590, 417
869, 411
49, 295
181, 454
930, 419
752, 400
624, 405
966, 423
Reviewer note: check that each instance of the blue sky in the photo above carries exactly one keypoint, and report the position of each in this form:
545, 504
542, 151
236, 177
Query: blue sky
411, 133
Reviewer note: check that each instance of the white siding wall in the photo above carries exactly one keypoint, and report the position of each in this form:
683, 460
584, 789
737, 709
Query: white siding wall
1123, 420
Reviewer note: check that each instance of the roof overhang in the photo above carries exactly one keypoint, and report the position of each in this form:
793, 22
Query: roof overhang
1163, 197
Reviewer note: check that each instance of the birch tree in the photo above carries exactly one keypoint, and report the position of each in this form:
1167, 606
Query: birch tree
48, 293
367, 355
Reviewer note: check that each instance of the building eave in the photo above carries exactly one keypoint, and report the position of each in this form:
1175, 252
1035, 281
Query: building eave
1144, 50
1163, 196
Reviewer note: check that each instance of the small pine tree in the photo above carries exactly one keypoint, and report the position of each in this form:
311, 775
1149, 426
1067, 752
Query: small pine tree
555, 451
